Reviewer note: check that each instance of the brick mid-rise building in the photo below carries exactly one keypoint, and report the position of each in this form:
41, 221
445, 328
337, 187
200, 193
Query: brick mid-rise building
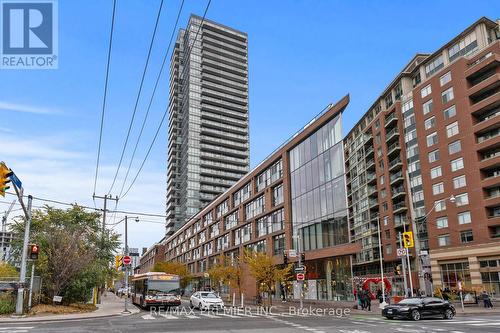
425, 158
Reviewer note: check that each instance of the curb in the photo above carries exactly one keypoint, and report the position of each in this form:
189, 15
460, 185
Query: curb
46, 319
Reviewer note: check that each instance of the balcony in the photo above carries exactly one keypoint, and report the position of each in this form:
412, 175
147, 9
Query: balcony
401, 221
391, 119
372, 191
369, 151
392, 134
487, 122
395, 164
398, 192
370, 164
371, 177
394, 148
488, 101
399, 207
373, 203
396, 178
481, 62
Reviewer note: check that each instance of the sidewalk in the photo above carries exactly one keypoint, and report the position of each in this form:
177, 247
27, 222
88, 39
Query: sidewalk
111, 305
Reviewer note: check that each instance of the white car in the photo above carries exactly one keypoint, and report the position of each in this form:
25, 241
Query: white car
206, 300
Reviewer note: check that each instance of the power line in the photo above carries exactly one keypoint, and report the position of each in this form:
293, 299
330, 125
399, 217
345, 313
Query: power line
138, 96
152, 96
105, 95
166, 109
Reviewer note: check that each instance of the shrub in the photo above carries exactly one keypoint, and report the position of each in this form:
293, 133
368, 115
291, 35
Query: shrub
7, 303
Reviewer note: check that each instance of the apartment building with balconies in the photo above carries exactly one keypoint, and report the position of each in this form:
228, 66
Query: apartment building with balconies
424, 159
208, 142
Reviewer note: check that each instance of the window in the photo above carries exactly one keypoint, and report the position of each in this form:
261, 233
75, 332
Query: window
255, 207
430, 123
427, 107
416, 181
445, 79
442, 222
279, 244
278, 195
444, 240
459, 182
450, 112
466, 236
272, 174
418, 196
447, 95
242, 194
457, 164
434, 66
463, 47
438, 188
433, 156
440, 205
425, 91
452, 129
436, 172
454, 147
432, 139
462, 199
381, 180
388, 249
464, 218
222, 209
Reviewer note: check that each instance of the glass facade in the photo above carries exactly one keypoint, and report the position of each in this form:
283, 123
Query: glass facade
319, 204
452, 273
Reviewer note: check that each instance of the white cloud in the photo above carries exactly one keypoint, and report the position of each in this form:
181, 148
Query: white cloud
50, 167
15, 107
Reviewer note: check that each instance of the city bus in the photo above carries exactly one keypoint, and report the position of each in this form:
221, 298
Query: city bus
156, 289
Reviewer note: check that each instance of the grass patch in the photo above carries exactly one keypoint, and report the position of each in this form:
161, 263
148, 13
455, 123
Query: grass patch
7, 303
62, 309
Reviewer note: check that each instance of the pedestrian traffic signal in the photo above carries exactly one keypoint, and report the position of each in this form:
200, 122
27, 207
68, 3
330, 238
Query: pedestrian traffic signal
5, 174
285, 259
408, 239
397, 270
34, 250
302, 257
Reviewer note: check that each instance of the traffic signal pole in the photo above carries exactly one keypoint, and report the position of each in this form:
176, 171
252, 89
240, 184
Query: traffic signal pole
126, 266
24, 256
403, 265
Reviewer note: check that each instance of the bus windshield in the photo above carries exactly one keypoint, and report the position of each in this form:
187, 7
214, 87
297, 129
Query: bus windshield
163, 287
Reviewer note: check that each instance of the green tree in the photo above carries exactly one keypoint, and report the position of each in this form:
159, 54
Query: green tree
75, 255
265, 271
177, 268
7, 271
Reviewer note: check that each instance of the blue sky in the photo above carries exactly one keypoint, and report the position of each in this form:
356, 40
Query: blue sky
303, 55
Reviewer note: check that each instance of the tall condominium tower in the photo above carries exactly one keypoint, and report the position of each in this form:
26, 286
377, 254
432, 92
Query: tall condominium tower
208, 146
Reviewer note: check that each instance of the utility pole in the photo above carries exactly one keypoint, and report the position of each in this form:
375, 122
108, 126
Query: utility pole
31, 283
105, 198
403, 264
126, 266
301, 283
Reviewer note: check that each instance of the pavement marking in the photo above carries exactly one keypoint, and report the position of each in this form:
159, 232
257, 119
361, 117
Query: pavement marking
487, 324
192, 317
209, 316
16, 328
168, 316
148, 317
462, 322
228, 315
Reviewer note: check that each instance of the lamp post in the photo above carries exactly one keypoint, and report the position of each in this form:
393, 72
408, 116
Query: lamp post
381, 258
301, 283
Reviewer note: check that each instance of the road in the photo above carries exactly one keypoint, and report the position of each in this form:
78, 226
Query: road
187, 320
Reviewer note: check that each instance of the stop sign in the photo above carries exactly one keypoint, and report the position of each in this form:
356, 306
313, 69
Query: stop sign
301, 276
127, 260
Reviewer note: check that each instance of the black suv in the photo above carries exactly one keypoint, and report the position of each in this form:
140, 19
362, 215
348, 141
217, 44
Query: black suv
417, 308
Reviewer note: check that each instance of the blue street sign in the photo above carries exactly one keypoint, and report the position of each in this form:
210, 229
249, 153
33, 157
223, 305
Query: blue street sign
16, 181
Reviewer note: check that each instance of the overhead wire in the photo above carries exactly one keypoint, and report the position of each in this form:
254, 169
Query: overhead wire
104, 96
152, 96
138, 96
166, 109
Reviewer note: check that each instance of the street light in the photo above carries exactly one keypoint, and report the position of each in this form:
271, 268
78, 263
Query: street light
383, 304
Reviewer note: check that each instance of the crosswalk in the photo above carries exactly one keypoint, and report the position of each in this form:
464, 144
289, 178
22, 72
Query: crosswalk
16, 329
444, 325
211, 315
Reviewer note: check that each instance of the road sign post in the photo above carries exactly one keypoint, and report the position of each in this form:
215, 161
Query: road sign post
127, 260
401, 252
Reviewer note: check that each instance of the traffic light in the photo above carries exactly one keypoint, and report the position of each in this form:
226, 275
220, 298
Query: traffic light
34, 250
285, 259
5, 174
408, 239
302, 257
397, 270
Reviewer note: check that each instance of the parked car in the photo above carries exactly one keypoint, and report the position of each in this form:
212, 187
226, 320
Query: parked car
417, 308
206, 300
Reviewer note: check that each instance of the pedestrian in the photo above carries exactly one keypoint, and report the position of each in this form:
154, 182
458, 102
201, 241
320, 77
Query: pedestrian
368, 301
361, 301
379, 296
487, 300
